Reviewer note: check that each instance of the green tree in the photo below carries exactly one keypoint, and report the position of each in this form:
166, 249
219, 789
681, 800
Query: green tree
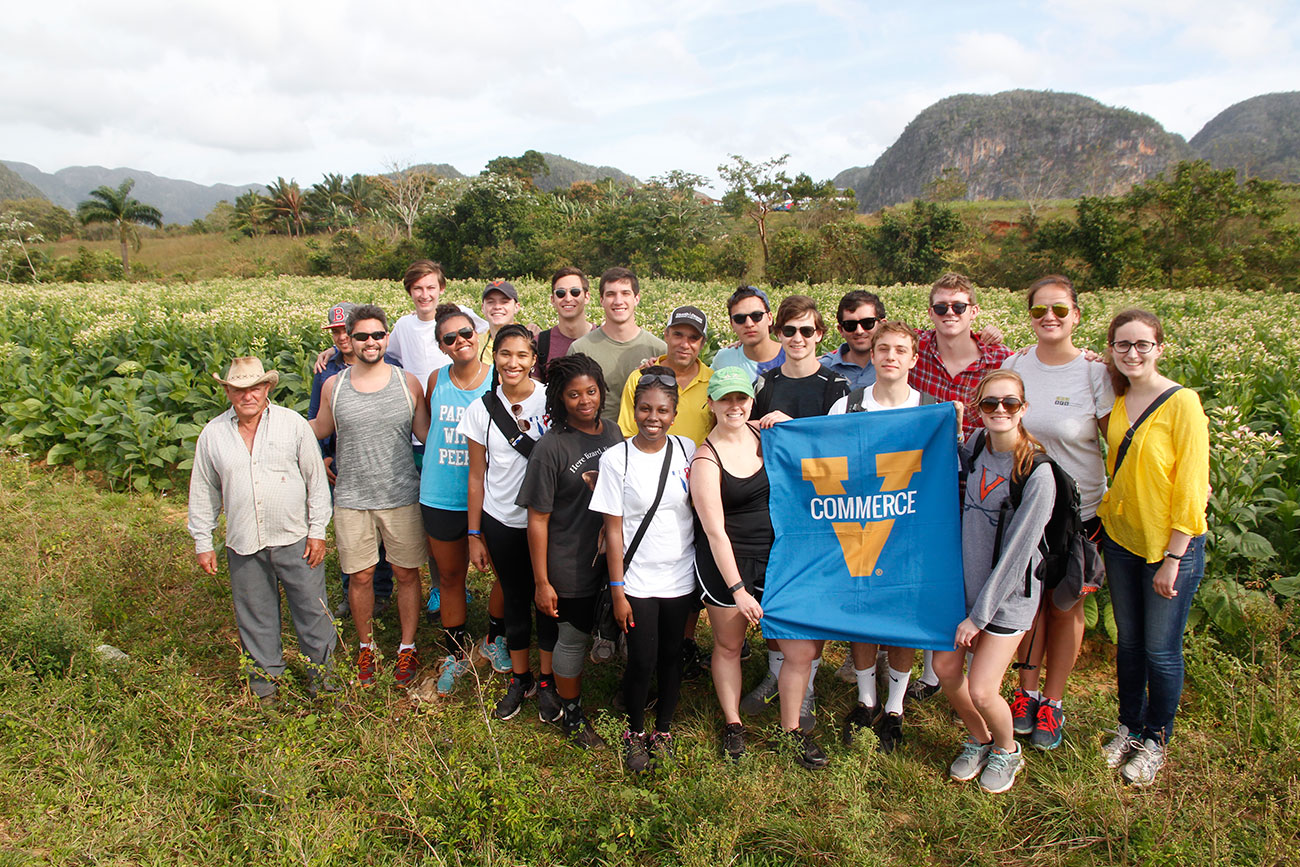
49, 220
754, 190
912, 244
947, 186
523, 168
252, 213
287, 203
116, 208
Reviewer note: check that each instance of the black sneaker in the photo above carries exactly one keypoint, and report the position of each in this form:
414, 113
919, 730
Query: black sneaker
733, 740
660, 746
861, 717
919, 690
805, 749
575, 725
691, 668
516, 692
635, 756
550, 707
889, 731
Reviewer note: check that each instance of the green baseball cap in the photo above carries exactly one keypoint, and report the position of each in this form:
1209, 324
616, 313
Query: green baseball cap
730, 380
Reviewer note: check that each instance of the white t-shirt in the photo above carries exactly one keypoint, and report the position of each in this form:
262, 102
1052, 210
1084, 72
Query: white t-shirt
505, 466
1065, 401
664, 563
413, 343
869, 404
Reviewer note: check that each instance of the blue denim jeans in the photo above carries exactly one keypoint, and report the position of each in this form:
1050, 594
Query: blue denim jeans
1149, 659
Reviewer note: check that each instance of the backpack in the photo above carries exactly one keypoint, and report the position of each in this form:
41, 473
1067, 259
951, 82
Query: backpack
1067, 567
857, 399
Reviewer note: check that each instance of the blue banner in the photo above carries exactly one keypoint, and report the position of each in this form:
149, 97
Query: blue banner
868, 528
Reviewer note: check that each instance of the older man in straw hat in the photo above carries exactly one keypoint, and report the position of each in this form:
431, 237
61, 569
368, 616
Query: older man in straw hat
262, 463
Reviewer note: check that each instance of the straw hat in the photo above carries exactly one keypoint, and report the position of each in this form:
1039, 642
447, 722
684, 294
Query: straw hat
246, 372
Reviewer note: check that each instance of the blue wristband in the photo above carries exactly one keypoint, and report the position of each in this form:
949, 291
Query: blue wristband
473, 532
617, 583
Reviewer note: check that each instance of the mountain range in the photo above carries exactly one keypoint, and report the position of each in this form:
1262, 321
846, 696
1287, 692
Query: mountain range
1019, 144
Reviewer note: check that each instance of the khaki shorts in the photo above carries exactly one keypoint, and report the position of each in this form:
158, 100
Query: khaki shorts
358, 531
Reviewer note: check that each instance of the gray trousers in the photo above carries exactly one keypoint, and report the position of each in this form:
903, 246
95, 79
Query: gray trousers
255, 581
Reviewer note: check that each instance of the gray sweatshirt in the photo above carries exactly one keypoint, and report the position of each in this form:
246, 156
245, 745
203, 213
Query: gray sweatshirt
995, 595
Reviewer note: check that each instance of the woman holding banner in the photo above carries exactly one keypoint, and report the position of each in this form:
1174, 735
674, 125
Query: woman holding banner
999, 546
1154, 539
1071, 398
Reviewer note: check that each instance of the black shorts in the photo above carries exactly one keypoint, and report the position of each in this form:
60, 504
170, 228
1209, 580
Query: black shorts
444, 524
713, 587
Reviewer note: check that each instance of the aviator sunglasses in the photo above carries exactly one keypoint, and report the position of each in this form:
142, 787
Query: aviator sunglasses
1038, 311
806, 330
360, 336
449, 339
661, 378
958, 307
1010, 403
866, 323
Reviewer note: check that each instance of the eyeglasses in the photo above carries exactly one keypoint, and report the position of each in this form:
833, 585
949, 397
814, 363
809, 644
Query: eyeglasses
359, 336
1010, 403
1142, 346
806, 330
574, 292
520, 422
958, 307
661, 378
754, 317
867, 323
450, 338
1038, 311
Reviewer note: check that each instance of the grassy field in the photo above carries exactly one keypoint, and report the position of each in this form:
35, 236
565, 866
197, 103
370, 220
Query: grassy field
164, 759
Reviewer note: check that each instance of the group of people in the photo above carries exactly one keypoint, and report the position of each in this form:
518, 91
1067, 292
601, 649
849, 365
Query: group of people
602, 472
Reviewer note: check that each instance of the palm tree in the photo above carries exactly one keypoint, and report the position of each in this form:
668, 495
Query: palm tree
117, 208
286, 202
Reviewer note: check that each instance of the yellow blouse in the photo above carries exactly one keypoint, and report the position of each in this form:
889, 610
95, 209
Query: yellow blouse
1164, 483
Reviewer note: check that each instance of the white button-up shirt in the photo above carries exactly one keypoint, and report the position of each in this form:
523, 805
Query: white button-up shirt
274, 495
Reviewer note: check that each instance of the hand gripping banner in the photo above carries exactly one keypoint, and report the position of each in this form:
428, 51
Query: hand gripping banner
868, 528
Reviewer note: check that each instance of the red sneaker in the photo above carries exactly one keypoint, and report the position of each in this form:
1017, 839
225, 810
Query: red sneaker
408, 663
367, 666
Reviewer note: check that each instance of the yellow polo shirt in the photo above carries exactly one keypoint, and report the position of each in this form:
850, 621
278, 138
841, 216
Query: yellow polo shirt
694, 418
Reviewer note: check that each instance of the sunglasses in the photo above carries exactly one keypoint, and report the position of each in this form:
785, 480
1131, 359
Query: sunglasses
958, 307
754, 317
866, 323
574, 292
450, 338
520, 422
806, 330
661, 378
1038, 311
359, 336
1142, 346
1010, 403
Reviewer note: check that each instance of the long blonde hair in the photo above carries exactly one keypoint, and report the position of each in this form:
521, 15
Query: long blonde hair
1026, 445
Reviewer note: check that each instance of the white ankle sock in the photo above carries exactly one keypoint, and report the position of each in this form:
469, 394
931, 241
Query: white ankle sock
402, 647
1034, 694
866, 685
774, 660
928, 676
897, 689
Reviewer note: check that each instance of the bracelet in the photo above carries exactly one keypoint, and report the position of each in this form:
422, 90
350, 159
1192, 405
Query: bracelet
1170, 555
739, 585
617, 583
473, 532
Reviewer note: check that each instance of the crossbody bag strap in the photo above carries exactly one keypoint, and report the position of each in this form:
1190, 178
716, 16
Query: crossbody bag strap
650, 512
1128, 435
518, 440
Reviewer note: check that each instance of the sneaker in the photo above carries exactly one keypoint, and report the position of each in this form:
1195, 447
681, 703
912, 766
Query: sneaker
577, 728
1147, 760
972, 759
635, 756
889, 731
343, 609
1001, 771
1118, 750
408, 665
806, 751
846, 669
452, 669
733, 741
691, 669
660, 746
516, 692
760, 696
1049, 729
496, 653
919, 690
550, 707
861, 717
808, 712
367, 666
1024, 711
434, 604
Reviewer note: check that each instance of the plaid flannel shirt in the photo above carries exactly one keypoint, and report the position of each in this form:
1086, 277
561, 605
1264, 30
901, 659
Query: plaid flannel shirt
931, 377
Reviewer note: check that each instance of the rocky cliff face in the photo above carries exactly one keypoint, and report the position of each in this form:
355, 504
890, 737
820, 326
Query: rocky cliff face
1259, 137
1022, 144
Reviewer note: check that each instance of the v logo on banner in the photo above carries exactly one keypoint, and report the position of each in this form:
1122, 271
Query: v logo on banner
862, 543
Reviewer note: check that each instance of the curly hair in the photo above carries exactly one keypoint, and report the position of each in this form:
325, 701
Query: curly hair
562, 371
648, 381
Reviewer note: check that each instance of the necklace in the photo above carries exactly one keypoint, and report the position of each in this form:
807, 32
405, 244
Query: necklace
451, 373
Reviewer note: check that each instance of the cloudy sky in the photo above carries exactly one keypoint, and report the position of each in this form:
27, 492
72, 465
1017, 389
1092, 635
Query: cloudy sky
245, 91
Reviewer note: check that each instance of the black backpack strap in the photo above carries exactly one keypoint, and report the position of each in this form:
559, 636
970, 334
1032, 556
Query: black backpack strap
857, 399
518, 440
543, 351
1128, 436
650, 512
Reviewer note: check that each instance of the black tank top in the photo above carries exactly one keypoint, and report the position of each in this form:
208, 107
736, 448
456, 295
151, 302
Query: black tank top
745, 510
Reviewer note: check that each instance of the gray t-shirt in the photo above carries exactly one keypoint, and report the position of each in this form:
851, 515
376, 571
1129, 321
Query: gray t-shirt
617, 360
1065, 401
996, 594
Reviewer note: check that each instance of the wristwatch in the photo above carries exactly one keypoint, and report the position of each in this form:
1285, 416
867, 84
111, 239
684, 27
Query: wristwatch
1170, 555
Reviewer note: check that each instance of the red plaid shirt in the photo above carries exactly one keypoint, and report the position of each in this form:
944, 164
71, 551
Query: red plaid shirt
931, 377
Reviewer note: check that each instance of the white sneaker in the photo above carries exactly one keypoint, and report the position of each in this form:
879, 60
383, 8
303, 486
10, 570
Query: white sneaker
1120, 748
1148, 758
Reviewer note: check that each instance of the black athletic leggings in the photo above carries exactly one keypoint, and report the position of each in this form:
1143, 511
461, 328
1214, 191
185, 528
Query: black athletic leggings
655, 643
508, 548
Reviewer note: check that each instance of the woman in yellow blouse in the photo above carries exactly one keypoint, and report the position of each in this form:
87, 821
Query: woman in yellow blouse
1154, 543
